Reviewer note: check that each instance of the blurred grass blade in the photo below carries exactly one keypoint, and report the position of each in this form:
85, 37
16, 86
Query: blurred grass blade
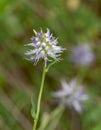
33, 109
50, 121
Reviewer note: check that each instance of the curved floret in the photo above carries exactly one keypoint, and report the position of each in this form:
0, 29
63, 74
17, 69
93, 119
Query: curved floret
44, 46
71, 94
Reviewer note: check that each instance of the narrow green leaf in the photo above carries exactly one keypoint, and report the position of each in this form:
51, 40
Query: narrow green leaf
33, 108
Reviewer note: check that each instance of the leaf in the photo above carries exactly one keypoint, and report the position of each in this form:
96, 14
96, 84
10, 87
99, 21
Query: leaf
55, 118
50, 121
33, 109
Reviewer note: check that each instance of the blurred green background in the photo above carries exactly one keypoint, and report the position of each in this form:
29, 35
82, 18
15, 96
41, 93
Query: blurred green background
72, 21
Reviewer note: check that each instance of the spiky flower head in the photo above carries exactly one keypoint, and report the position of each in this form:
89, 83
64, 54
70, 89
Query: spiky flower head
71, 94
44, 46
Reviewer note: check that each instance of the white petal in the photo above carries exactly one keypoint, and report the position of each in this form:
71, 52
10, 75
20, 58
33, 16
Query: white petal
65, 86
59, 94
47, 33
30, 44
35, 31
77, 106
73, 83
31, 52
42, 54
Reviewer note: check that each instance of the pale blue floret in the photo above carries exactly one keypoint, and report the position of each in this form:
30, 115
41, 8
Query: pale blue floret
71, 94
82, 55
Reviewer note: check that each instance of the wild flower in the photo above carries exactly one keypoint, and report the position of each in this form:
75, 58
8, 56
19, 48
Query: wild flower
82, 55
71, 94
44, 46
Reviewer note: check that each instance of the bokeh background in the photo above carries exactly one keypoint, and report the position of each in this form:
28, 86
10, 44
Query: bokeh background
73, 22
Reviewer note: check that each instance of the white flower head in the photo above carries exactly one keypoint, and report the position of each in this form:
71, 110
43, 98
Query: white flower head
71, 94
44, 46
82, 55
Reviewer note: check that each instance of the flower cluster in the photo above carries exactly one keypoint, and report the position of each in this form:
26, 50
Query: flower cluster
71, 94
44, 46
82, 55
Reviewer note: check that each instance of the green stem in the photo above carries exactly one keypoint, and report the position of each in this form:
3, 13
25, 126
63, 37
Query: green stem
39, 98
50, 65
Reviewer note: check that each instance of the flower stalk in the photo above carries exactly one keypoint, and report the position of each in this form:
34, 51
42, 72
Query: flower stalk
39, 98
